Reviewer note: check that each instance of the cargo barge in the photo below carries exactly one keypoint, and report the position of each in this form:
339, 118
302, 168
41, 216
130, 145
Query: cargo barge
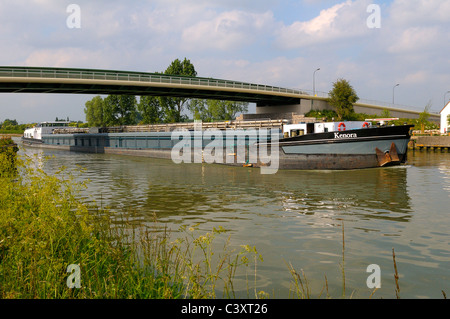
265, 144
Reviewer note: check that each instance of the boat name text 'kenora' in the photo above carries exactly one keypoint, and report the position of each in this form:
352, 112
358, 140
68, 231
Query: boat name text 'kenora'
346, 135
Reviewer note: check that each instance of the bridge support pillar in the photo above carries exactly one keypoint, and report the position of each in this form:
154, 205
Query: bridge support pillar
301, 108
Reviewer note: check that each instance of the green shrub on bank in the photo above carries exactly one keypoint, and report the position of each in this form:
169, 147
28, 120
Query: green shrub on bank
44, 228
8, 157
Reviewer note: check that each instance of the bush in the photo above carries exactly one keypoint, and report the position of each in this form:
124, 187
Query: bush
8, 156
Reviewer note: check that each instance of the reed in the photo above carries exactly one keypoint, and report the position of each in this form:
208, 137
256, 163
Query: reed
343, 260
397, 287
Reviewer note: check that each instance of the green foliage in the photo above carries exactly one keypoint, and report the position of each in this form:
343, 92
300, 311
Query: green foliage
216, 110
427, 125
45, 227
342, 97
385, 113
111, 111
150, 109
173, 106
184, 68
120, 110
424, 116
95, 112
12, 127
8, 157
9, 123
329, 115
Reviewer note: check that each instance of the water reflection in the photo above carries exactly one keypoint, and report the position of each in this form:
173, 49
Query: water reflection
446, 175
366, 194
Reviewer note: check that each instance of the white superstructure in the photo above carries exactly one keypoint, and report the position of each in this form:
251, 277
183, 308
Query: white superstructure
43, 128
291, 130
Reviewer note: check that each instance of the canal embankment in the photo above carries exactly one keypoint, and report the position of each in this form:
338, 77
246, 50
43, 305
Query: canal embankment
428, 143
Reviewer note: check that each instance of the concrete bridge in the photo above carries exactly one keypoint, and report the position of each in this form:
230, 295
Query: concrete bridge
268, 99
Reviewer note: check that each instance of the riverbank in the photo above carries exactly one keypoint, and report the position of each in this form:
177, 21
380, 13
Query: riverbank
434, 143
10, 135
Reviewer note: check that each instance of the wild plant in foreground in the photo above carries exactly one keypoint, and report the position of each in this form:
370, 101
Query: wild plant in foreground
45, 227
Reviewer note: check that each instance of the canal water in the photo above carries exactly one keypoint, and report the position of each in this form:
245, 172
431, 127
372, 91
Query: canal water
294, 217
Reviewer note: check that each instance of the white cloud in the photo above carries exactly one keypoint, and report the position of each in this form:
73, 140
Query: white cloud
345, 20
66, 57
414, 39
227, 31
407, 12
417, 77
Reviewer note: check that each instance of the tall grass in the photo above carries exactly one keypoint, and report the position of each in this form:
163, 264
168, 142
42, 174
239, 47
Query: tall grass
44, 228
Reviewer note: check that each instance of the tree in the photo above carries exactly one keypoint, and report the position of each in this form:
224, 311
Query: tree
150, 109
95, 112
200, 111
8, 124
342, 97
386, 113
173, 106
120, 110
216, 110
423, 117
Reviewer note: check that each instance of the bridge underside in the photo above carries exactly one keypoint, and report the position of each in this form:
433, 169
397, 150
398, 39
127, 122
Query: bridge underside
138, 90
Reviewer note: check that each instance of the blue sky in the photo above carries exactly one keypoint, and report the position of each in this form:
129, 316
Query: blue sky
278, 42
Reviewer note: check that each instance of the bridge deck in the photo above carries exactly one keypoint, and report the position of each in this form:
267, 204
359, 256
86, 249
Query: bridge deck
16, 79
88, 81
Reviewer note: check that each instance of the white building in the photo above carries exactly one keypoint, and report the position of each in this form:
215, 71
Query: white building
445, 112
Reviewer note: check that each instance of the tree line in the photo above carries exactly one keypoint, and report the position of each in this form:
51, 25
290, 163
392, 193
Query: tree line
116, 110
11, 127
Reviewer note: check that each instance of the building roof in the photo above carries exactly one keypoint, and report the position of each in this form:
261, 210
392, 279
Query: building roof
444, 107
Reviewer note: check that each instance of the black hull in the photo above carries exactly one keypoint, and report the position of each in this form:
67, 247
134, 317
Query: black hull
364, 134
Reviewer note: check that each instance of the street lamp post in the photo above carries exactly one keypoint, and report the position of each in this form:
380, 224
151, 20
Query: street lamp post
314, 87
393, 101
314, 81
